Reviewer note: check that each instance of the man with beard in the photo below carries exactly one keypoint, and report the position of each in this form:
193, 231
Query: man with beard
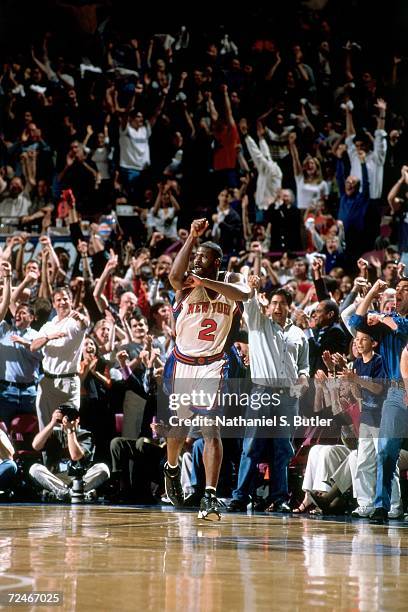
393, 334
61, 340
205, 310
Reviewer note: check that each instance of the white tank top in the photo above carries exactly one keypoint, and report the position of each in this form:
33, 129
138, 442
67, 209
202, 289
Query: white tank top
203, 323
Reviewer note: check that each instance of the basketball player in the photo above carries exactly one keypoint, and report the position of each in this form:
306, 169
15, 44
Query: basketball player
205, 309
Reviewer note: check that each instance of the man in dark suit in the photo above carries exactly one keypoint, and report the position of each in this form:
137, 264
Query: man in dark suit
286, 222
328, 335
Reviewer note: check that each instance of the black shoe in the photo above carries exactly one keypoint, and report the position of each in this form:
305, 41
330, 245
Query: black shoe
173, 487
237, 505
260, 504
379, 516
209, 508
329, 506
279, 507
193, 500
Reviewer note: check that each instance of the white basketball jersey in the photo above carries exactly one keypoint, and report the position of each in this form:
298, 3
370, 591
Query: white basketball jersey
203, 323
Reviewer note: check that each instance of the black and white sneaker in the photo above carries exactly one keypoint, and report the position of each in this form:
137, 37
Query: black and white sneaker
174, 491
209, 508
91, 496
55, 496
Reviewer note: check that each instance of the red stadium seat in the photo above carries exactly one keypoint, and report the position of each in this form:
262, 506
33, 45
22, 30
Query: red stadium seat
23, 429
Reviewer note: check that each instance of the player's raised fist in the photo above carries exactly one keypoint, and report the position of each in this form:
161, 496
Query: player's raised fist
198, 227
254, 281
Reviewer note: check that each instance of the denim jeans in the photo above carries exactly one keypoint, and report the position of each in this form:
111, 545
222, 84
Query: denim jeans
276, 450
14, 401
197, 467
393, 429
8, 469
130, 181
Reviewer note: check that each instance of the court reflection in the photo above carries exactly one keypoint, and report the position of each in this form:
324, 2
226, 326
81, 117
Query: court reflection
112, 558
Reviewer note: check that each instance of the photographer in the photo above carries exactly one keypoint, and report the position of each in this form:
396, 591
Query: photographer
70, 450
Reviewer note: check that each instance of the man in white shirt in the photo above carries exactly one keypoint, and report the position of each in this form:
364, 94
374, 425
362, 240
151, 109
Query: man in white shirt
61, 340
134, 143
279, 363
269, 180
375, 159
134, 135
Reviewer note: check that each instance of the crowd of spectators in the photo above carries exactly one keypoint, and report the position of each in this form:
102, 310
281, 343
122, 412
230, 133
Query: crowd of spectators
293, 151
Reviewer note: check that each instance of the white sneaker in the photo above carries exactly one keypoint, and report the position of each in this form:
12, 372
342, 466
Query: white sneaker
362, 511
396, 514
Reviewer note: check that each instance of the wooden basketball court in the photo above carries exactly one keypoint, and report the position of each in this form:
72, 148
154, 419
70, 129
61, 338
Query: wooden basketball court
129, 558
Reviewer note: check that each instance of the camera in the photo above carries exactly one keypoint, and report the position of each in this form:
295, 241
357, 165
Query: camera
76, 469
69, 411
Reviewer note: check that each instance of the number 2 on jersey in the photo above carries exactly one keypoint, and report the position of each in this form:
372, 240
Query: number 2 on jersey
208, 332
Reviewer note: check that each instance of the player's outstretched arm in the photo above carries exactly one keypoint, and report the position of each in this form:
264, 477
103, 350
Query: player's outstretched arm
182, 260
236, 289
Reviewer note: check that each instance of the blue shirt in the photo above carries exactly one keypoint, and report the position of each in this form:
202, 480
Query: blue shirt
371, 403
392, 342
18, 363
353, 208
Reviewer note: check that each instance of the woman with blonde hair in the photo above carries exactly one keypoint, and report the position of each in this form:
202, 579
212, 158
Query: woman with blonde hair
310, 185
